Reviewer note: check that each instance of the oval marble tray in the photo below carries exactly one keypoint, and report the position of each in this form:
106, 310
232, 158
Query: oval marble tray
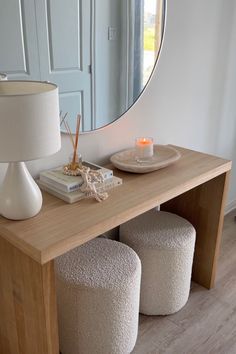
163, 156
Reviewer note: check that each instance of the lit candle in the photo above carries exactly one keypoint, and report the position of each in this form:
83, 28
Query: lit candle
143, 148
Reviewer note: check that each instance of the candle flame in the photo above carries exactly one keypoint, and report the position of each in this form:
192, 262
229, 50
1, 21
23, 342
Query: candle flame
144, 141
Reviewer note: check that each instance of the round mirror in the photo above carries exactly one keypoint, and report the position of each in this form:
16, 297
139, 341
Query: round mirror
101, 53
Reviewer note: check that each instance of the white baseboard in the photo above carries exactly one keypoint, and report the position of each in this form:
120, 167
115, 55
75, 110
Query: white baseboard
230, 206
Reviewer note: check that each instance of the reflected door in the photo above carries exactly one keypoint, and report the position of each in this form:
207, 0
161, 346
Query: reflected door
50, 40
64, 37
18, 40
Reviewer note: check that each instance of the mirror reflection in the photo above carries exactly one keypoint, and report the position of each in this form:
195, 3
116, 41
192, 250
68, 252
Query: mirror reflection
100, 53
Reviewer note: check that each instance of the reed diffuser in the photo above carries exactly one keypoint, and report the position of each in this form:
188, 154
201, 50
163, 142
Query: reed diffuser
91, 178
74, 166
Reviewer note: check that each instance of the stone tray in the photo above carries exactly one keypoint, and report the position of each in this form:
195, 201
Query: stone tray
163, 156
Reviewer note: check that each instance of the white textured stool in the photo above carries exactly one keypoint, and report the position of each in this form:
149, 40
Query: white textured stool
98, 289
165, 244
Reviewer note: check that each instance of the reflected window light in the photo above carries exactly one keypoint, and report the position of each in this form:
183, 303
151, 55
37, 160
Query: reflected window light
148, 27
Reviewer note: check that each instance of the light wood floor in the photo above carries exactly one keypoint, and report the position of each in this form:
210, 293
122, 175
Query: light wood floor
207, 323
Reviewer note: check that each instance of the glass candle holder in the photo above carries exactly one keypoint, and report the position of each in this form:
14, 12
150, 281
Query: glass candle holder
74, 166
78, 160
143, 148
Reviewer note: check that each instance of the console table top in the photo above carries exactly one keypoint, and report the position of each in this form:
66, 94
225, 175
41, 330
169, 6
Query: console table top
60, 227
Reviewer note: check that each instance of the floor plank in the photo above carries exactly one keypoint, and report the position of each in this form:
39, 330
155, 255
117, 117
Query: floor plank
207, 323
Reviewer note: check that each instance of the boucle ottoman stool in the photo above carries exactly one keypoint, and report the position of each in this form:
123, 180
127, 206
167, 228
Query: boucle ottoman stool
98, 289
165, 244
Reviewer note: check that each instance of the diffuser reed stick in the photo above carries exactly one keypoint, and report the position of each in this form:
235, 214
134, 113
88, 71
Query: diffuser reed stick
70, 134
73, 168
62, 118
76, 140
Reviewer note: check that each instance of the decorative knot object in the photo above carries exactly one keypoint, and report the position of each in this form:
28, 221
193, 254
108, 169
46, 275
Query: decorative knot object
91, 179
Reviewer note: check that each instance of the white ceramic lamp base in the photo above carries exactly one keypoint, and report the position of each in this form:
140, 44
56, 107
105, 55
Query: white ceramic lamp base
20, 197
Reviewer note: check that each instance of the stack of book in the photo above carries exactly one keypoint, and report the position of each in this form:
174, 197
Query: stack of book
67, 188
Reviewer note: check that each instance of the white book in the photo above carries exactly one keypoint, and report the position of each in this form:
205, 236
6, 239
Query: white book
56, 178
75, 196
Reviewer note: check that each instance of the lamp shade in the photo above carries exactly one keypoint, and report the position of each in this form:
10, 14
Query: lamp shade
29, 120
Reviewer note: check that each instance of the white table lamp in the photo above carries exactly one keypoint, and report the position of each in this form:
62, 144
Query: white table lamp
29, 129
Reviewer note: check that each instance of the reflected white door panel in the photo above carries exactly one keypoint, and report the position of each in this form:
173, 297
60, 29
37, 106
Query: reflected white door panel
19, 56
64, 36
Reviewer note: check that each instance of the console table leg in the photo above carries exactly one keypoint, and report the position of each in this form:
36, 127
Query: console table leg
204, 206
28, 313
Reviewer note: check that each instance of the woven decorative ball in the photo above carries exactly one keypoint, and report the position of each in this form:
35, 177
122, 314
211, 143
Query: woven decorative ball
165, 244
98, 289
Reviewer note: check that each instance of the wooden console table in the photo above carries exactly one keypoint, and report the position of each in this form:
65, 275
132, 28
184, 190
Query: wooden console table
195, 188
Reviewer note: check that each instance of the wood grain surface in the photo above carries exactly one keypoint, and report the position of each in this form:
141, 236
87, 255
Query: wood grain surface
28, 313
60, 227
203, 206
